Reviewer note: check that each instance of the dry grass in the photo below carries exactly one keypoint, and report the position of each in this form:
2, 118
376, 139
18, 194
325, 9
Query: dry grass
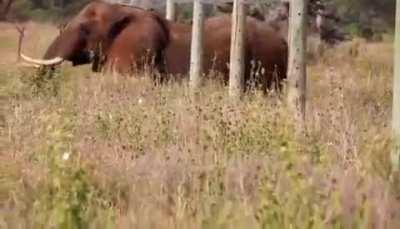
83, 150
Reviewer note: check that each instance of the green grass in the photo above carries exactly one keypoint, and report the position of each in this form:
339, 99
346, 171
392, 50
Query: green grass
83, 150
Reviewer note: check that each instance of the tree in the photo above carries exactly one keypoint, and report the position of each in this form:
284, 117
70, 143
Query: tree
297, 59
238, 38
396, 94
196, 58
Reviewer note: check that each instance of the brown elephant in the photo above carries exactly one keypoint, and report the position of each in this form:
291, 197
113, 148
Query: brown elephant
97, 35
265, 57
129, 38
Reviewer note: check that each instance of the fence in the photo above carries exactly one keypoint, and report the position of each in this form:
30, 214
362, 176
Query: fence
297, 46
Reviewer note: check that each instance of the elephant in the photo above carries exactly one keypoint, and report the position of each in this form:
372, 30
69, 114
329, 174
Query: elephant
265, 57
124, 39
96, 35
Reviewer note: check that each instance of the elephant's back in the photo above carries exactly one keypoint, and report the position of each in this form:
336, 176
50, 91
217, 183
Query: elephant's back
177, 52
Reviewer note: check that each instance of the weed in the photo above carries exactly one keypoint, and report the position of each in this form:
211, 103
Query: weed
85, 150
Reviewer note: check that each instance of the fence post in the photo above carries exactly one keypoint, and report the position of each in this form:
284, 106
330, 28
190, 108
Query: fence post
297, 75
396, 94
196, 54
171, 7
238, 41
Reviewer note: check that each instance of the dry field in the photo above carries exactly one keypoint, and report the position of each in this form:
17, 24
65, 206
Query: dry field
84, 150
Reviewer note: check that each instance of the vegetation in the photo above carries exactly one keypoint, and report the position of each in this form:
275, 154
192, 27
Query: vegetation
42, 10
357, 15
84, 150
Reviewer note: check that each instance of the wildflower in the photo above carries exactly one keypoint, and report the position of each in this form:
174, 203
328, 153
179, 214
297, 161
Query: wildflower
66, 156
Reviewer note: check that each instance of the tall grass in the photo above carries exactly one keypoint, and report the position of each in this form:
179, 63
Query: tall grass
83, 150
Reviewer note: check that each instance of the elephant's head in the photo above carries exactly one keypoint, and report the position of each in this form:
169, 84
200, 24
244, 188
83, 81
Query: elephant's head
89, 36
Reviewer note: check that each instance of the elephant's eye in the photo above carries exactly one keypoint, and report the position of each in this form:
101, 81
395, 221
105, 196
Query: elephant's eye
85, 30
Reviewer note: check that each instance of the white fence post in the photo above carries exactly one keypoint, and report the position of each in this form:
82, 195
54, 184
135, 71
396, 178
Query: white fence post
297, 76
238, 41
171, 8
396, 94
196, 55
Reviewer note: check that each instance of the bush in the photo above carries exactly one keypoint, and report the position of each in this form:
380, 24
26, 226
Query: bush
44, 11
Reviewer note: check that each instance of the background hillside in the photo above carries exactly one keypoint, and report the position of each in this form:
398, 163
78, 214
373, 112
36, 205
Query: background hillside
356, 14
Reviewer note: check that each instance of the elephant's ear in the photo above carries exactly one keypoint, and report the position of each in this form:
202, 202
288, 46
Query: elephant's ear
150, 26
118, 26
163, 25
123, 20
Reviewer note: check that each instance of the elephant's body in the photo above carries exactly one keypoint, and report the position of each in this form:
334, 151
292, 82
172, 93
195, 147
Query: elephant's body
129, 38
263, 46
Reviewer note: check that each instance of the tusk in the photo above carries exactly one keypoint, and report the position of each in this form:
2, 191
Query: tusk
28, 65
54, 61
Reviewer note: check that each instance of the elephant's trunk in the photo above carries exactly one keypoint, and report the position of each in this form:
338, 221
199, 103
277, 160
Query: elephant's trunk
70, 45
67, 45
